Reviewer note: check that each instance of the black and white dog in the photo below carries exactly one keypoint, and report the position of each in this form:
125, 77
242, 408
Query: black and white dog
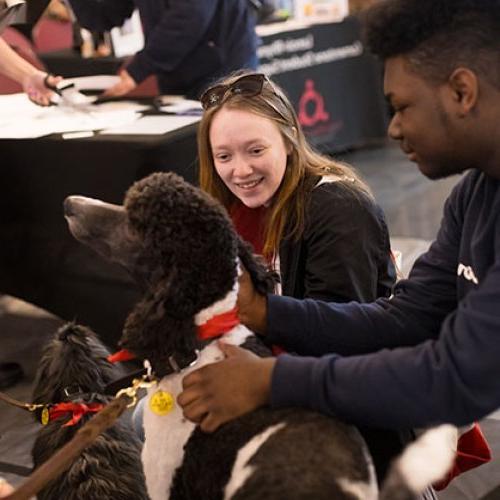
70, 380
180, 245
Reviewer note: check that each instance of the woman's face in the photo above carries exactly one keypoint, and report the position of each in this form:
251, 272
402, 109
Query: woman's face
249, 154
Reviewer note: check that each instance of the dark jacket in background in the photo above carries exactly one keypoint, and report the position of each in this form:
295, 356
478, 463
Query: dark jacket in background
189, 43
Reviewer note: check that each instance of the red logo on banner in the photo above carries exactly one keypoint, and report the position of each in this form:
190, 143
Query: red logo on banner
313, 115
319, 114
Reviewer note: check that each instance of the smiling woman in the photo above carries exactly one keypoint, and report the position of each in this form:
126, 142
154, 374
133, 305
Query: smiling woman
313, 219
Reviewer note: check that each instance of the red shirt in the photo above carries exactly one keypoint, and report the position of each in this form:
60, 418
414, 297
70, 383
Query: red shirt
249, 224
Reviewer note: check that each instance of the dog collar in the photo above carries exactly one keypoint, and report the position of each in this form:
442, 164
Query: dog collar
213, 327
174, 364
210, 323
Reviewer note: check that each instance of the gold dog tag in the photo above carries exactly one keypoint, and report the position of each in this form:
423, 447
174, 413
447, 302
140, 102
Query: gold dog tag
161, 403
45, 417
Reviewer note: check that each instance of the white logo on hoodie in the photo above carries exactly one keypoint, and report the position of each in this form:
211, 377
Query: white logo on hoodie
468, 273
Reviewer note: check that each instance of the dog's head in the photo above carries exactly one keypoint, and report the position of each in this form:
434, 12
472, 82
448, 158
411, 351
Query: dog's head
177, 242
73, 362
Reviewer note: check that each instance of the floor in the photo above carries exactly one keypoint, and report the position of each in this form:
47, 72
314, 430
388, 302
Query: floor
413, 208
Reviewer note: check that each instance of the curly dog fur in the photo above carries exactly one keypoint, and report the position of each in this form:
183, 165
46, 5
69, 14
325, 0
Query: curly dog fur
74, 368
181, 246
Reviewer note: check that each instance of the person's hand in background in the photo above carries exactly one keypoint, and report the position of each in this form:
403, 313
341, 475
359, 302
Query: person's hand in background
31, 78
37, 85
124, 86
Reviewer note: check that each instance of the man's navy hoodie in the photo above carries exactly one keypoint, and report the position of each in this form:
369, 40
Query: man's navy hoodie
189, 43
429, 354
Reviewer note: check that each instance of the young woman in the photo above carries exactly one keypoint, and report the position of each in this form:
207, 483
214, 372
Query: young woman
313, 219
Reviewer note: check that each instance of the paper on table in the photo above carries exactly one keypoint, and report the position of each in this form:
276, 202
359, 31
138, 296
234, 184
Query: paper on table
21, 119
184, 106
153, 125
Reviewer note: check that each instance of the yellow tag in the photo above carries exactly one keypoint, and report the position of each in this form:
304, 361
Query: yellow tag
161, 403
45, 416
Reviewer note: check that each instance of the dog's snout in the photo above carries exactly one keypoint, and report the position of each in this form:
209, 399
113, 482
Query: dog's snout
68, 207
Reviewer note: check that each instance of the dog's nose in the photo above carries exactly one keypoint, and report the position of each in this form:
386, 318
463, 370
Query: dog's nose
68, 207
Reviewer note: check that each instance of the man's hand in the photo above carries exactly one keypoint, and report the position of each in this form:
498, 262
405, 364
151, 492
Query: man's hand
220, 392
36, 89
124, 86
252, 307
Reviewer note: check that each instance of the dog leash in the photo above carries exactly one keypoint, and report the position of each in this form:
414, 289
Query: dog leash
18, 470
19, 404
83, 438
48, 412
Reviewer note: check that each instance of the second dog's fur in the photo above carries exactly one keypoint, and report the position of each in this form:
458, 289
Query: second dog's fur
73, 368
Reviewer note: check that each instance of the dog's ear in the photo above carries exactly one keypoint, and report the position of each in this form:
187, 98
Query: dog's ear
263, 279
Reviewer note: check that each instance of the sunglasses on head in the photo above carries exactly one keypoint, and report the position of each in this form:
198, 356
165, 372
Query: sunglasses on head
246, 85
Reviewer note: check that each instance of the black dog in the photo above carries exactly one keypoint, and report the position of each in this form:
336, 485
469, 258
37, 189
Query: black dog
74, 370
180, 245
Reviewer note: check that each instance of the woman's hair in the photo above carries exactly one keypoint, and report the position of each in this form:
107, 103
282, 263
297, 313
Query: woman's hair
286, 214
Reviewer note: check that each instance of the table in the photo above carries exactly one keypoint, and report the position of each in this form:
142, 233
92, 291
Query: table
39, 260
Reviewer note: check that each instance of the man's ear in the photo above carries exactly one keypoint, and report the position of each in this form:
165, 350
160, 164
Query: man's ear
464, 85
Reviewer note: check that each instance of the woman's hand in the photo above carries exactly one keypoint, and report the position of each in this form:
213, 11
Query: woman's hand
223, 391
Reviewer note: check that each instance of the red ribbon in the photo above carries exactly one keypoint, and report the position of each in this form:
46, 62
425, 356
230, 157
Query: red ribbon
472, 451
122, 355
77, 410
218, 325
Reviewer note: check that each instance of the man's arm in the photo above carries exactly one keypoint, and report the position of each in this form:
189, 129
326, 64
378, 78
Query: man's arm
183, 24
452, 379
412, 315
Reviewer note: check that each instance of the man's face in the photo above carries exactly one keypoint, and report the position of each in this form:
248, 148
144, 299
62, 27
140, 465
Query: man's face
422, 123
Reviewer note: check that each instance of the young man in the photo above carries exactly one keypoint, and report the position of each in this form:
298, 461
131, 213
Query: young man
431, 353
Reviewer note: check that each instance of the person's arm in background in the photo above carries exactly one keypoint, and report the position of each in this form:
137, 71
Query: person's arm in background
182, 27
14, 66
